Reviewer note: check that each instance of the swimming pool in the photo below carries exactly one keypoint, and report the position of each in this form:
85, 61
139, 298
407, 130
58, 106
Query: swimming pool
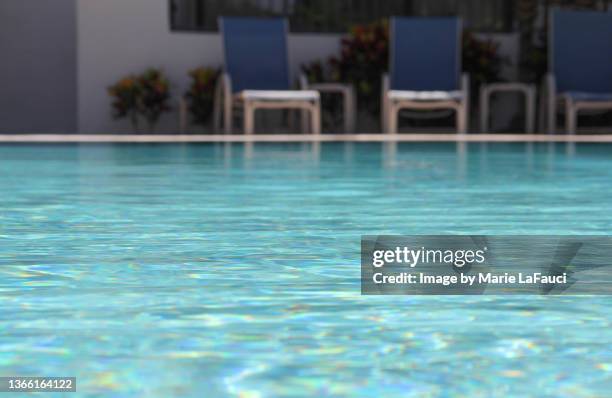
233, 269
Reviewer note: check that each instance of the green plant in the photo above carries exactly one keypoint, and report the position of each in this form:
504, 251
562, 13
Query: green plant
145, 95
155, 94
364, 57
126, 94
481, 60
315, 72
200, 96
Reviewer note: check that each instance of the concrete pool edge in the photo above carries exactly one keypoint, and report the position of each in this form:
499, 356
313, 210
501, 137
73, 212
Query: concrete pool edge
220, 138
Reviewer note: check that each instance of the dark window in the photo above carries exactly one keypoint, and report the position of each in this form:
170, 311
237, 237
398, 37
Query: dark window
339, 15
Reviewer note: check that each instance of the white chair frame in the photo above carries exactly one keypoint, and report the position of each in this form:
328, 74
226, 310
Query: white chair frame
572, 107
390, 107
226, 102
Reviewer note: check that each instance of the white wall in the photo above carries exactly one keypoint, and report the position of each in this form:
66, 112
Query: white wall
37, 66
119, 37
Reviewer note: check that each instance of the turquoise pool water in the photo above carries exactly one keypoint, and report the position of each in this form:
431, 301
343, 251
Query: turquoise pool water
233, 270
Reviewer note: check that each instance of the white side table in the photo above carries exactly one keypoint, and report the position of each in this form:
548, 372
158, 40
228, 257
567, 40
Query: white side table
349, 100
528, 90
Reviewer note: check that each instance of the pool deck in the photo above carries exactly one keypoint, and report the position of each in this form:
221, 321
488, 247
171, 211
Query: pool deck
409, 137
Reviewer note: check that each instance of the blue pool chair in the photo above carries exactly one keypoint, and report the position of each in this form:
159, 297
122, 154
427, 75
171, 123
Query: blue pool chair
580, 64
256, 73
424, 70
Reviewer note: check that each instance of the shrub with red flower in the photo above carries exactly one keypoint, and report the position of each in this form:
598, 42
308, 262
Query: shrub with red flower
155, 94
145, 95
315, 72
200, 95
364, 57
126, 94
481, 60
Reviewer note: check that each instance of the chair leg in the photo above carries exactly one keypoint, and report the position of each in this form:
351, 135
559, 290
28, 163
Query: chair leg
461, 119
227, 118
570, 117
391, 121
249, 118
384, 114
315, 122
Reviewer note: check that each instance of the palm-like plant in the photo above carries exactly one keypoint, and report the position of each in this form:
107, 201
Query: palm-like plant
200, 95
145, 95
155, 95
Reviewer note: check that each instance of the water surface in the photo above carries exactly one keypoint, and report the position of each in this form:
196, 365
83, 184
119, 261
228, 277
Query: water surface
233, 270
